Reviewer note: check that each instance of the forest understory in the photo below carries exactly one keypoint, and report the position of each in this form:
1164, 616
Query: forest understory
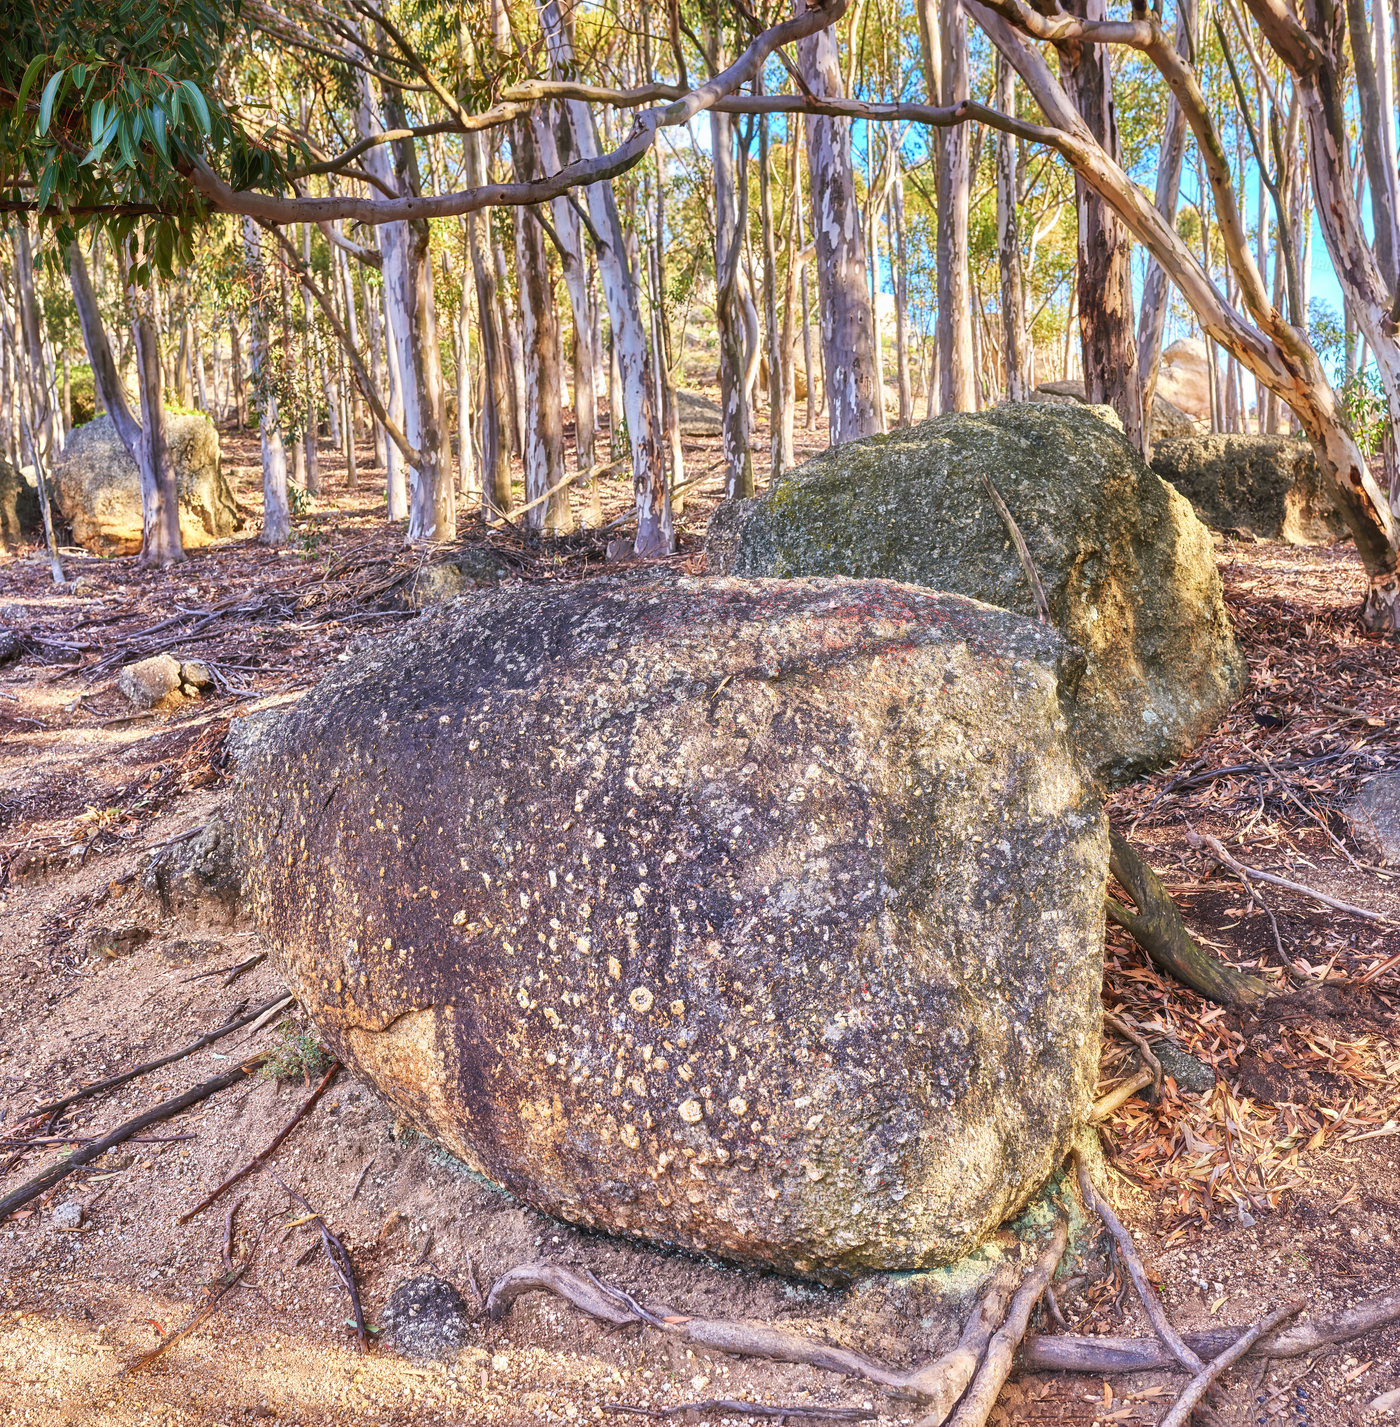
1276, 1177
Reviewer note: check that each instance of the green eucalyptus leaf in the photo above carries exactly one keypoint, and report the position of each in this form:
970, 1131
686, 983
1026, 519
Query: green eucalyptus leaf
46, 101
201, 109
27, 83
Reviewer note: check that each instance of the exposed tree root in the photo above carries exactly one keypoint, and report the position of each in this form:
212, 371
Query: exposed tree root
1196, 1389
1157, 927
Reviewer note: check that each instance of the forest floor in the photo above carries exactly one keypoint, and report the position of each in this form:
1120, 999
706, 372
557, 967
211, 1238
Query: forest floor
1282, 1178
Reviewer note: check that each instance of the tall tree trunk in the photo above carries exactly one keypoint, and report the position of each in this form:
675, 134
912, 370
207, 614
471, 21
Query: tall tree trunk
544, 424
783, 419
468, 475
495, 407
1019, 380
277, 521
1380, 167
847, 326
1107, 343
379, 370
731, 208
894, 216
666, 357
510, 330
32, 329
655, 534
770, 302
313, 414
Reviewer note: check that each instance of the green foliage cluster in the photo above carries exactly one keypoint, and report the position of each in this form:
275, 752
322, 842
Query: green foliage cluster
296, 1054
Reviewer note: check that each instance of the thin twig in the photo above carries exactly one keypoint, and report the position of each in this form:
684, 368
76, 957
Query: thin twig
259, 1159
1042, 605
809, 1412
1128, 1032
1197, 1388
339, 1256
1307, 812
1156, 1314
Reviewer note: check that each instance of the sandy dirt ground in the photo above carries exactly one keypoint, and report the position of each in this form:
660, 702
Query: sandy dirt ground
1277, 1178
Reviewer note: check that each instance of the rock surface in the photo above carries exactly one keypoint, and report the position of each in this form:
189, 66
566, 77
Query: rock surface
1267, 485
700, 416
1167, 420
200, 873
425, 1318
470, 570
1128, 569
21, 519
758, 918
1182, 378
1374, 816
151, 681
99, 492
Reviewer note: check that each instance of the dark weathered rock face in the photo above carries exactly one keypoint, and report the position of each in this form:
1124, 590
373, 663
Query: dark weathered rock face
21, 519
426, 1318
197, 874
1269, 485
763, 918
99, 491
1374, 816
1128, 569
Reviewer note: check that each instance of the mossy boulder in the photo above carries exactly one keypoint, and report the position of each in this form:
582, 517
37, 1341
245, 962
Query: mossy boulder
1128, 569
1268, 486
756, 918
21, 518
98, 489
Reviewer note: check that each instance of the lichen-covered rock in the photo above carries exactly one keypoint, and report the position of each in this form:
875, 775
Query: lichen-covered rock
198, 874
760, 918
149, 682
1268, 485
21, 519
1167, 420
425, 1318
699, 415
99, 491
474, 569
1128, 569
1374, 816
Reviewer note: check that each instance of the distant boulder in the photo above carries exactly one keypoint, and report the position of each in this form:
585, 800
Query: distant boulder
1167, 420
21, 519
1128, 570
99, 491
1267, 485
700, 416
1183, 378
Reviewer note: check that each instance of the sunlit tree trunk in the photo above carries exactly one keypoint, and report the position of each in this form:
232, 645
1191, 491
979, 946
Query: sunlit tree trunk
847, 327
731, 209
1017, 356
277, 522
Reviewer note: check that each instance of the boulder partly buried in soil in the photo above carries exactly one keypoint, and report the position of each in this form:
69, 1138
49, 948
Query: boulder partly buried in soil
198, 873
757, 918
1128, 570
699, 415
1374, 817
426, 1318
1267, 485
99, 491
150, 682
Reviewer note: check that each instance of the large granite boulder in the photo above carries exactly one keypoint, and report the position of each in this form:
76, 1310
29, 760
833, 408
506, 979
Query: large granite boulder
99, 491
1128, 570
1183, 378
1267, 485
758, 918
1167, 420
21, 518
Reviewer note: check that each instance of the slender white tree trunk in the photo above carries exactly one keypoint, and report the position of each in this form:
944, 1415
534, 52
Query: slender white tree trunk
277, 521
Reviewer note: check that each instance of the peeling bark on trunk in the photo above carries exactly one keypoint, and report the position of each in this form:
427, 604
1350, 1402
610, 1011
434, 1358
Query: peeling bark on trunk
544, 406
1107, 344
730, 214
846, 324
1019, 379
277, 520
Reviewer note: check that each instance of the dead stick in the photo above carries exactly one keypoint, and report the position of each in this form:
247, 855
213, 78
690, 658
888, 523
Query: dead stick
1128, 1032
59, 1172
1121, 1094
1196, 1389
339, 1256
1023, 551
991, 1377
217, 1297
307, 1106
58, 1106
1257, 874
1067, 1352
1156, 1314
811, 1412
227, 1250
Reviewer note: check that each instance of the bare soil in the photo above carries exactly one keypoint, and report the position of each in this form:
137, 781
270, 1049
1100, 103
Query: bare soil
1280, 1180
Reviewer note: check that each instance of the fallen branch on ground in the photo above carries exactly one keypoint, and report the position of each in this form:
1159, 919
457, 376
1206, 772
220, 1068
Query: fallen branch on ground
810, 1412
1217, 850
56, 1107
1196, 1389
339, 1256
981, 1397
1105, 1105
307, 1106
55, 1174
1130, 1033
1157, 928
1066, 1352
1127, 1250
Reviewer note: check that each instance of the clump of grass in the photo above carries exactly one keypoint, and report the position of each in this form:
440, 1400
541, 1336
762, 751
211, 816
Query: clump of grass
296, 1054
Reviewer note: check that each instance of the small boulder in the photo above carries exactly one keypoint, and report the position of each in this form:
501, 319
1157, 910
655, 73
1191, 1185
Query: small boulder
1183, 379
1374, 817
97, 487
762, 918
1268, 486
699, 415
1189, 1071
196, 673
1128, 570
21, 519
108, 943
150, 682
475, 569
425, 1318
1167, 420
199, 873
68, 1216
11, 646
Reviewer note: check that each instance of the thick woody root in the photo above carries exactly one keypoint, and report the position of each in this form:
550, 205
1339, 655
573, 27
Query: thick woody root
1157, 928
